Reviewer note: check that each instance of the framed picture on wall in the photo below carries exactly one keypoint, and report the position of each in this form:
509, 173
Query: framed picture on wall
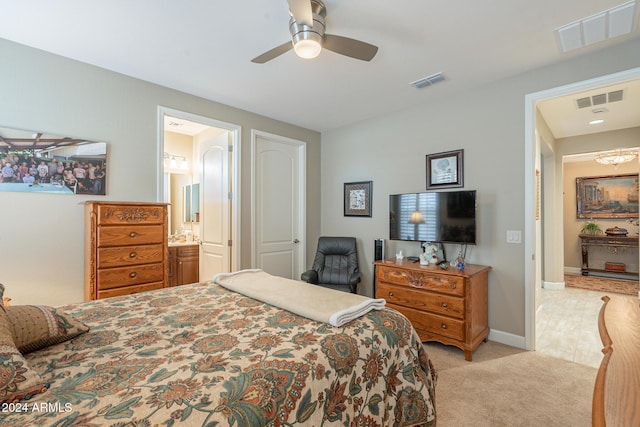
612, 196
445, 170
41, 162
357, 198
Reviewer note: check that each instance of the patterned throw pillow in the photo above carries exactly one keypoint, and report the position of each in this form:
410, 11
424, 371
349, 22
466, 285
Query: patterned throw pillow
38, 326
26, 328
17, 380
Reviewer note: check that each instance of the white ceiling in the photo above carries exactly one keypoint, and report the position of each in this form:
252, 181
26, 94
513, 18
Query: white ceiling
204, 47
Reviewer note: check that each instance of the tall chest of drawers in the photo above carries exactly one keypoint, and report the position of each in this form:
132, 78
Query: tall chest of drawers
126, 248
448, 306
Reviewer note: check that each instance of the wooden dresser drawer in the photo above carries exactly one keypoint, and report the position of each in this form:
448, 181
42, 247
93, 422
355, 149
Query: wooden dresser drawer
125, 276
421, 300
129, 214
432, 323
127, 290
126, 235
444, 283
190, 250
130, 255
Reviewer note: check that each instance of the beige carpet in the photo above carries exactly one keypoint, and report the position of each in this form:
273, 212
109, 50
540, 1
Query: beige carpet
506, 387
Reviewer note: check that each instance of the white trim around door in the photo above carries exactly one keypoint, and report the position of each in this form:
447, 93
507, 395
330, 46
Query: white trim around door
236, 134
530, 237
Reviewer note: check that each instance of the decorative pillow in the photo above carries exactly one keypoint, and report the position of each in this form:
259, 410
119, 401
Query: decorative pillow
17, 380
37, 326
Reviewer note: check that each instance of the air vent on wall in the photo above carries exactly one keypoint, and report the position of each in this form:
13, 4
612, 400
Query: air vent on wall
599, 99
428, 81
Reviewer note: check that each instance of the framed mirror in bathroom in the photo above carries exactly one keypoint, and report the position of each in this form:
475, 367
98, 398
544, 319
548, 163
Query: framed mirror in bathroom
191, 205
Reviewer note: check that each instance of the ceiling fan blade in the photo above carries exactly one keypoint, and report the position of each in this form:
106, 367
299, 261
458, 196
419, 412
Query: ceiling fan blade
301, 11
350, 47
273, 53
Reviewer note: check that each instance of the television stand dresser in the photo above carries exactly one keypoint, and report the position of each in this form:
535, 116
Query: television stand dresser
447, 306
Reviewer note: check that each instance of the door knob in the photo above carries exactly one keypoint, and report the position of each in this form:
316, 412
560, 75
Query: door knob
296, 241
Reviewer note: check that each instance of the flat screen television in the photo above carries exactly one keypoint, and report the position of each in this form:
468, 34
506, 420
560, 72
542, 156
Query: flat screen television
445, 217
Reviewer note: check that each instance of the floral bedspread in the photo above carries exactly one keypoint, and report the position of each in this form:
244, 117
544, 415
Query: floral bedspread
200, 355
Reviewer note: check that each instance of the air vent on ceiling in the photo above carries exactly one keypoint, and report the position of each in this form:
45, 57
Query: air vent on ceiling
616, 95
428, 81
597, 28
599, 99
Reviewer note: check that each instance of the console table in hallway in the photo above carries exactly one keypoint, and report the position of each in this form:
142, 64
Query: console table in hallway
613, 243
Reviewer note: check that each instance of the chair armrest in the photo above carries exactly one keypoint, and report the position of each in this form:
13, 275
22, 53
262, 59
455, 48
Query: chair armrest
310, 276
354, 279
353, 282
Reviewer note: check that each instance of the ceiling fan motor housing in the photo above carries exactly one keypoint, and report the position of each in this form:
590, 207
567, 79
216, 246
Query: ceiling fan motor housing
301, 31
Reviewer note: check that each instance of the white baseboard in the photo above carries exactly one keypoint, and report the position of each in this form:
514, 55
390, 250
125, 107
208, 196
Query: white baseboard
507, 339
553, 286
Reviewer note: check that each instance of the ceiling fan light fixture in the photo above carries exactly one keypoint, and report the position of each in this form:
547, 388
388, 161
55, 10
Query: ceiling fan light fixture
307, 48
307, 41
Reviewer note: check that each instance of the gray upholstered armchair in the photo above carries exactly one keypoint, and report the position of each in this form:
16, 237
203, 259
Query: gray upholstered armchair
335, 265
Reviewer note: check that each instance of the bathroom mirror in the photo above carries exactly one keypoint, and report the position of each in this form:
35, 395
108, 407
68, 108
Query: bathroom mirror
191, 205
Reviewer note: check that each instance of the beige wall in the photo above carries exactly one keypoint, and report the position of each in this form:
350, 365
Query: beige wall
572, 170
488, 123
42, 234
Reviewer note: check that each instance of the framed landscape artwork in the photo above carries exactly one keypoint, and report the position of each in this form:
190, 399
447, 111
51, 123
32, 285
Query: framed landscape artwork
613, 196
39, 162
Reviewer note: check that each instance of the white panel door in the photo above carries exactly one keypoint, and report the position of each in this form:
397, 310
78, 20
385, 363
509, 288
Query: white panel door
214, 197
279, 232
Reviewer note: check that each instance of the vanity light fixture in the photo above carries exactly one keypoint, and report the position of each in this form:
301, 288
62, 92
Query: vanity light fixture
175, 164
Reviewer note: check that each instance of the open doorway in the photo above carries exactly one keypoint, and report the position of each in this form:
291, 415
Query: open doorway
199, 160
537, 160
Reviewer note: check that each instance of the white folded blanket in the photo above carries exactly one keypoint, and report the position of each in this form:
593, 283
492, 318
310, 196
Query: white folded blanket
314, 302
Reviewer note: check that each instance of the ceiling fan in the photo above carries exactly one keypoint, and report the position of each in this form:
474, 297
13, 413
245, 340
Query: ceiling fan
307, 27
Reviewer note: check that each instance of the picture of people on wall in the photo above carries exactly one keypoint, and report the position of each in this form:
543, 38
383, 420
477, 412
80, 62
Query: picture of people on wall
39, 162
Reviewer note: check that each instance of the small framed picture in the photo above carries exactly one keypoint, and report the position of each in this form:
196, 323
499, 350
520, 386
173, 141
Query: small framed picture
445, 170
357, 198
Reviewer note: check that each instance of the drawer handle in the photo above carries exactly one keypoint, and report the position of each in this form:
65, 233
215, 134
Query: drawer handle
133, 275
443, 326
133, 234
133, 255
444, 305
390, 294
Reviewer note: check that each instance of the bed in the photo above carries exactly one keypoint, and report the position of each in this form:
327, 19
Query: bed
203, 355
